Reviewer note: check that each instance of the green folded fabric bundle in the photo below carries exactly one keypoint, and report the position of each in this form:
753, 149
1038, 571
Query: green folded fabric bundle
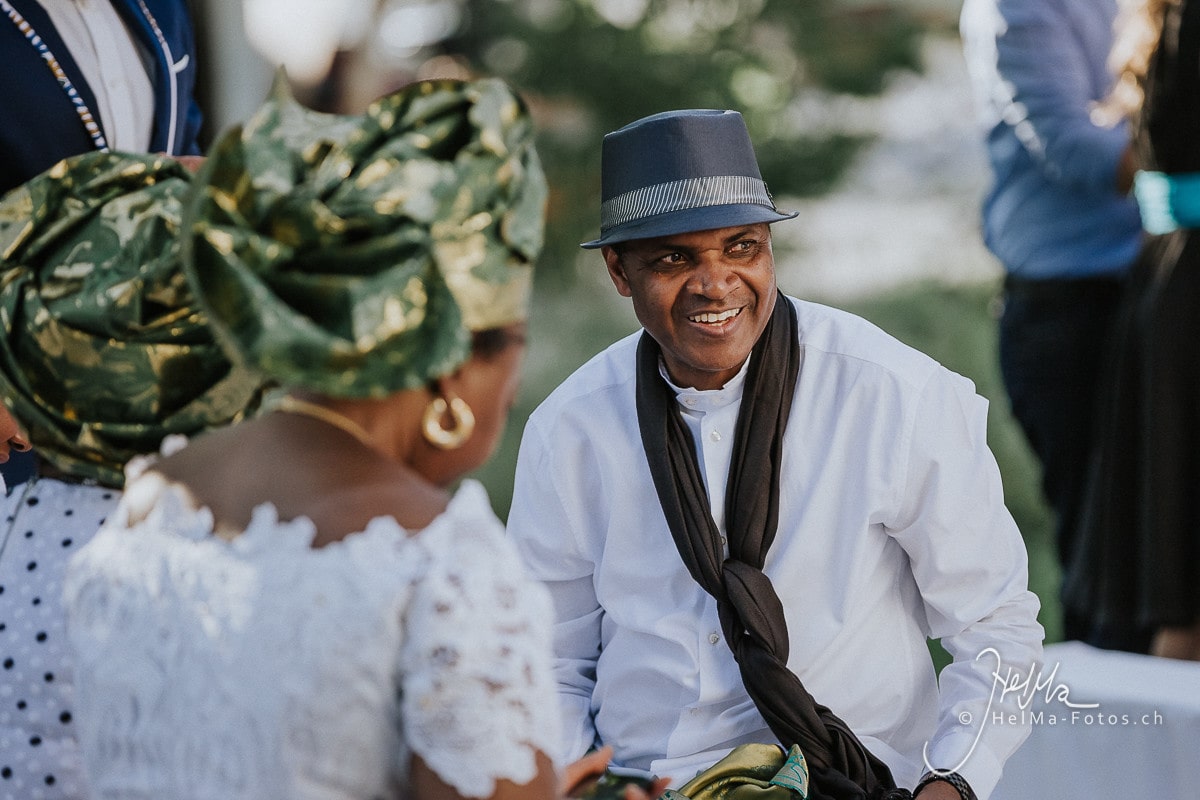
350, 255
104, 351
354, 255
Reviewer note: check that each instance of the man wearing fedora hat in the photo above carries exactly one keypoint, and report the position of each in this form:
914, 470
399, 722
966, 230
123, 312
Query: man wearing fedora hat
754, 513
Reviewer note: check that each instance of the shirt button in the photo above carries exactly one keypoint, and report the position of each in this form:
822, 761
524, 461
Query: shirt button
713, 638
715, 436
689, 401
723, 542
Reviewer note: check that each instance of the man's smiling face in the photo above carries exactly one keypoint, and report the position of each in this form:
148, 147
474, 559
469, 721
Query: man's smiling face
704, 296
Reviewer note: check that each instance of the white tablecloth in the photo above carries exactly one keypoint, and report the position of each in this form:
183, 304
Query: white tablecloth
1142, 740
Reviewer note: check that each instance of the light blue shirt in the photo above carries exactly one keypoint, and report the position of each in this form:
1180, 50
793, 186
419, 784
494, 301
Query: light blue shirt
1039, 67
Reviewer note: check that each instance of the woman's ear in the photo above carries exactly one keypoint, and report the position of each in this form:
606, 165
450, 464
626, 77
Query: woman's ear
448, 421
450, 384
12, 436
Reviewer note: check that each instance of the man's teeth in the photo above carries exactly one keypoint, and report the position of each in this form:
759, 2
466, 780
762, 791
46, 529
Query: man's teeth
710, 318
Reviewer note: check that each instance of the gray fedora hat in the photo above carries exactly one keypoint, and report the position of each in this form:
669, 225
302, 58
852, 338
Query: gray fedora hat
678, 172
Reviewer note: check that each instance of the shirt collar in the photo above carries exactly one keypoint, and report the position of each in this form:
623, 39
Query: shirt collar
708, 399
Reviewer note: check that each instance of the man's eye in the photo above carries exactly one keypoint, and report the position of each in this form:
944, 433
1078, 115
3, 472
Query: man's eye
744, 246
671, 259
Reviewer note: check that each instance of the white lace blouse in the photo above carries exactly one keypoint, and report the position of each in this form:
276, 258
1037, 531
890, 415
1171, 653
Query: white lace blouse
262, 668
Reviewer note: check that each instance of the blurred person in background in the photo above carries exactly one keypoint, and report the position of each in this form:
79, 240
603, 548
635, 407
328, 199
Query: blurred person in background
324, 614
1060, 220
1138, 563
103, 354
85, 75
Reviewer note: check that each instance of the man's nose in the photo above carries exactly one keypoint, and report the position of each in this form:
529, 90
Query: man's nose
712, 277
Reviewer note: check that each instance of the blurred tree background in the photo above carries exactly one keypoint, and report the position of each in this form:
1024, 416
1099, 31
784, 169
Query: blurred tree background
592, 66
792, 67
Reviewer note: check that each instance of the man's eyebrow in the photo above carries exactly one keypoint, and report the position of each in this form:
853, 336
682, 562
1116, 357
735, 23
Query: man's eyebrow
749, 230
663, 248
665, 245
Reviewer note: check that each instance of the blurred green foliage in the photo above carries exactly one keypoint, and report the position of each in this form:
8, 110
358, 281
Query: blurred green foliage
592, 66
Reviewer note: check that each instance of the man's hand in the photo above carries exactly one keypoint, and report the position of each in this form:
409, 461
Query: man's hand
12, 438
592, 766
191, 163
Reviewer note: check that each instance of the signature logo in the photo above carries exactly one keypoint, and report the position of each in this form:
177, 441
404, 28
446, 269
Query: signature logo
1011, 685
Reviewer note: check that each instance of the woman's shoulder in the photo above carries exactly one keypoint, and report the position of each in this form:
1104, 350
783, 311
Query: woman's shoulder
160, 513
462, 556
468, 532
470, 557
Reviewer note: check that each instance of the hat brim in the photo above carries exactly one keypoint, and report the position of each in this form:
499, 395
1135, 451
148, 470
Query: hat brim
688, 221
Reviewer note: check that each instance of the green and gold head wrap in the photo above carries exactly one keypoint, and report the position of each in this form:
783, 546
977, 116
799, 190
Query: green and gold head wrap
103, 351
354, 255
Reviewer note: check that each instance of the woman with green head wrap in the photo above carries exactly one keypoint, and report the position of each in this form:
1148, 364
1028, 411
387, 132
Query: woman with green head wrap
297, 606
103, 354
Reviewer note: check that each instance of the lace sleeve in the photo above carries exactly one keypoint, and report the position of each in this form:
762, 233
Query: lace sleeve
477, 693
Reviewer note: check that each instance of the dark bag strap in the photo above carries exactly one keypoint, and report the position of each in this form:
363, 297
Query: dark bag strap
750, 611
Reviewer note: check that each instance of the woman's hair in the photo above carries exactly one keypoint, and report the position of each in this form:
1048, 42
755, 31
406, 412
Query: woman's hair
1138, 28
491, 342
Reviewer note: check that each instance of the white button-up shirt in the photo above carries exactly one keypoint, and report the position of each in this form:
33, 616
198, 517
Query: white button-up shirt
892, 529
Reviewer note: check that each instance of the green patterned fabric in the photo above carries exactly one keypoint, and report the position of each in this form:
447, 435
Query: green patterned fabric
750, 772
353, 256
103, 350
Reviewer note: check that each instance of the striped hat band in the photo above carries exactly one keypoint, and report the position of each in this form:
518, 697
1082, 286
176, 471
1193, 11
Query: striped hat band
680, 195
678, 172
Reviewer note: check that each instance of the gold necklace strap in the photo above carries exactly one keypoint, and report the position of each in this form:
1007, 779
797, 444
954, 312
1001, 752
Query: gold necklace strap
294, 405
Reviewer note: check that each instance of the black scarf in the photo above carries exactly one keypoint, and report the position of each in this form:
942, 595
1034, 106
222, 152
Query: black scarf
751, 613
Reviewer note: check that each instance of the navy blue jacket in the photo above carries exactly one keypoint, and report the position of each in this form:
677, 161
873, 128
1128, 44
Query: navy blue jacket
39, 125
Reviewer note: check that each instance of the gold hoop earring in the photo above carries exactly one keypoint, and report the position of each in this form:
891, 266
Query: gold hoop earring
464, 423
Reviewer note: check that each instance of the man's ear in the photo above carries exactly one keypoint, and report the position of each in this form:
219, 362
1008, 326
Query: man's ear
616, 271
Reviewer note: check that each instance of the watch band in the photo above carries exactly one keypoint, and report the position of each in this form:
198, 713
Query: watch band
953, 778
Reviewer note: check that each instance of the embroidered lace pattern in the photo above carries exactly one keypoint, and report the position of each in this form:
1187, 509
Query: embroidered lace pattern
262, 668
